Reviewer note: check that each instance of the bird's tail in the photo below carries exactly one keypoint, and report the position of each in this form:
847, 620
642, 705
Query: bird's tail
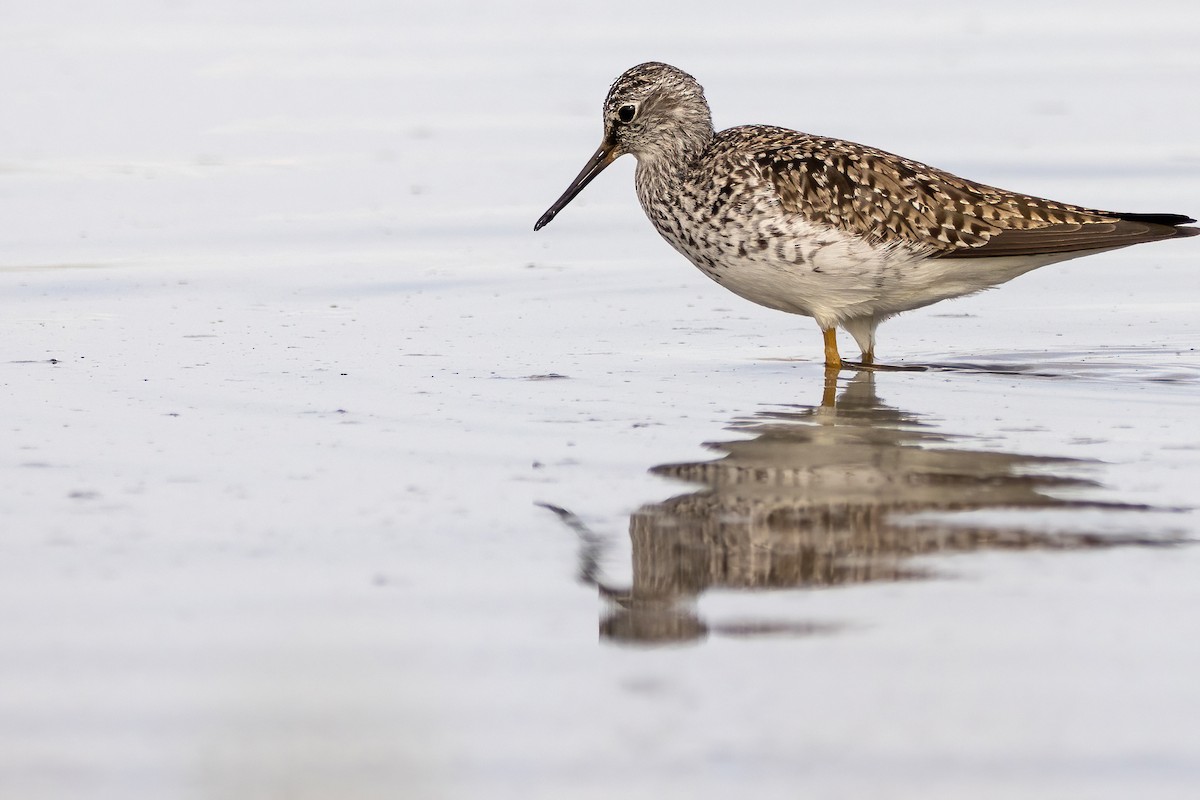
1168, 220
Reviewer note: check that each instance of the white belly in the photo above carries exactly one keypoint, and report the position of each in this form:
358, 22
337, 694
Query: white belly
834, 277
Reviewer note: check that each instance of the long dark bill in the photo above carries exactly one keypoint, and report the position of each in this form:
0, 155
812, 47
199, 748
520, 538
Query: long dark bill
595, 165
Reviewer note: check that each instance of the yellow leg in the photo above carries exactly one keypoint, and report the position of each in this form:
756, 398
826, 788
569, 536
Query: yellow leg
868, 356
832, 359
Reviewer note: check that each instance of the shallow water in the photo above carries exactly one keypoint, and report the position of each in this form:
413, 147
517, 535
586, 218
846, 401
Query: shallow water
326, 477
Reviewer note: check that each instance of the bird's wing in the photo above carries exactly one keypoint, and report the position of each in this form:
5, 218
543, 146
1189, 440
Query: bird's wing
889, 199
1071, 237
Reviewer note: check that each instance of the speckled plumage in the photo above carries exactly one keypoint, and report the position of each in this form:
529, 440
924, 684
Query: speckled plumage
834, 230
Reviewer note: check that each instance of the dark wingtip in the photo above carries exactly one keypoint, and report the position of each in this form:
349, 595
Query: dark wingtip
1158, 219
1171, 221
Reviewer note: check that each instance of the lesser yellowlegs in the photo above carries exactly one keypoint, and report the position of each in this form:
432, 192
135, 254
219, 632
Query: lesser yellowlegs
843, 233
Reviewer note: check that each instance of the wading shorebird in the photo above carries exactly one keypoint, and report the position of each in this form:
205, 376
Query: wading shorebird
843, 233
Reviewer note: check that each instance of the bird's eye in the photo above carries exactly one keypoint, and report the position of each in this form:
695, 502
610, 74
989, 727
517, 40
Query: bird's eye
625, 113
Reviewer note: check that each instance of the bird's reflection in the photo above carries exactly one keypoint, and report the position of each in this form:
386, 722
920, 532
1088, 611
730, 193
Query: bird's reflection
823, 496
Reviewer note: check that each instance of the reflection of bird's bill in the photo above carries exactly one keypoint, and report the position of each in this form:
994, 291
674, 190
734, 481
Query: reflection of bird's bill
604, 155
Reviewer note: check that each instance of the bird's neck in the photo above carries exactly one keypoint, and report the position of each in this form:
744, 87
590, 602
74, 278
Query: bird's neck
664, 166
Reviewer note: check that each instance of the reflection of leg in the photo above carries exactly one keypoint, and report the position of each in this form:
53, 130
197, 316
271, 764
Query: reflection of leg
829, 396
832, 359
860, 393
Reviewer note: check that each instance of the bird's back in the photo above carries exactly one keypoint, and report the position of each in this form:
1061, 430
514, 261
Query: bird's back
890, 200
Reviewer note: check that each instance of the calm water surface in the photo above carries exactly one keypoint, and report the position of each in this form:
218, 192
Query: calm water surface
325, 477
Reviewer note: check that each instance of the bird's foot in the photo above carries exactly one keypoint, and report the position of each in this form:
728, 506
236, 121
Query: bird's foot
871, 366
